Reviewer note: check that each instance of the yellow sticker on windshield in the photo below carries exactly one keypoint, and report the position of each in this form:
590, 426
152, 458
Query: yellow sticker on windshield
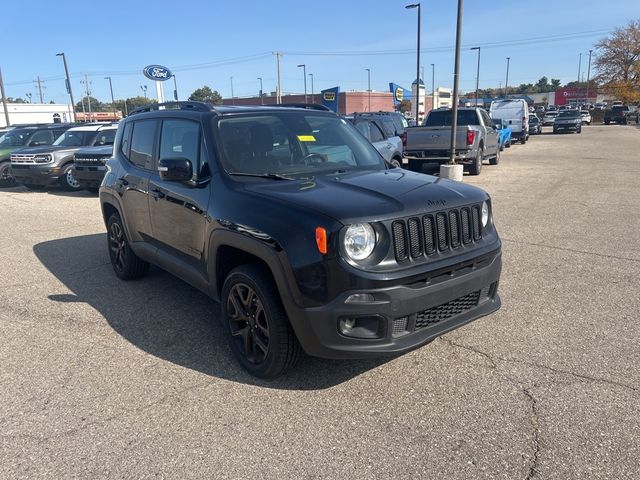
306, 138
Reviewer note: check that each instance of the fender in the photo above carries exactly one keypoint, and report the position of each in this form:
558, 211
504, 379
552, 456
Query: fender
281, 271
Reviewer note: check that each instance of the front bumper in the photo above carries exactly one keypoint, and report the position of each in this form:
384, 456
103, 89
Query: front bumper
567, 126
33, 174
89, 176
409, 315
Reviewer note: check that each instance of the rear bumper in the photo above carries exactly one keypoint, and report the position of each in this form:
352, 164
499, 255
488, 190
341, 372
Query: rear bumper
408, 315
45, 175
463, 157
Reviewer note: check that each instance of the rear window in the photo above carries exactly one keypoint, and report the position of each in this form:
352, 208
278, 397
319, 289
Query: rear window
442, 118
569, 114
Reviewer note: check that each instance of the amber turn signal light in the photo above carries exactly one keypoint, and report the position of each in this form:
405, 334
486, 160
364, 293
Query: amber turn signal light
321, 240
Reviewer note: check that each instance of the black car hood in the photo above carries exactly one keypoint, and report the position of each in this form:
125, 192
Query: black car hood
46, 149
370, 195
102, 150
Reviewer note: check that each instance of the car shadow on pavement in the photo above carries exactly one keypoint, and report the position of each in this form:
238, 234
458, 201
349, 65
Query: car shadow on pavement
169, 319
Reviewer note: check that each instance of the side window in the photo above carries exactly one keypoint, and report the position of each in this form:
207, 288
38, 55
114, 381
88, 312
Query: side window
181, 139
43, 137
142, 140
363, 128
125, 144
376, 133
105, 137
388, 127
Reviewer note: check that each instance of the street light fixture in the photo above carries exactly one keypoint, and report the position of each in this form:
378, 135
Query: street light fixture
113, 102
304, 75
477, 73
410, 6
68, 83
144, 90
369, 85
261, 94
313, 97
29, 95
175, 88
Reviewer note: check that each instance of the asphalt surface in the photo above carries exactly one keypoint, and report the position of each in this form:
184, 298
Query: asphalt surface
105, 379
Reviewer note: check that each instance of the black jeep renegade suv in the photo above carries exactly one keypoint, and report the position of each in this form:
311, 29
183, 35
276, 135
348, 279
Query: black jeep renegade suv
294, 223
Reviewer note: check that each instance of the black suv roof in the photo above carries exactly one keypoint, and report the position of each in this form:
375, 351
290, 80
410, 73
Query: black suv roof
222, 109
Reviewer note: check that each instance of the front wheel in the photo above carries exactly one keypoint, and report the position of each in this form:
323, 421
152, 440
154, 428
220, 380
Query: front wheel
68, 180
6, 176
126, 264
257, 327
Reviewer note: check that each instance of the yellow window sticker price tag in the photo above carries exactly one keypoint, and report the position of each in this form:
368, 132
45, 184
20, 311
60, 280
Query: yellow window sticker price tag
306, 138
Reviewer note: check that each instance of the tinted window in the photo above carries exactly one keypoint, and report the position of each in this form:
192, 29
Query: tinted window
363, 128
42, 137
125, 144
376, 133
105, 137
142, 142
75, 138
181, 139
442, 118
388, 127
569, 114
15, 138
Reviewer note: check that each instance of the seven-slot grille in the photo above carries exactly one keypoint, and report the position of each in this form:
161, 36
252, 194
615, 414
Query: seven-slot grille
416, 237
18, 158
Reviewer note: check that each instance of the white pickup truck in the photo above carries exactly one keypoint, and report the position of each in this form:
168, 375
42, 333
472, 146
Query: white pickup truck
476, 140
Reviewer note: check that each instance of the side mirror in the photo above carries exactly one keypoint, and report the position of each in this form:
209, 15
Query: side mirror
175, 169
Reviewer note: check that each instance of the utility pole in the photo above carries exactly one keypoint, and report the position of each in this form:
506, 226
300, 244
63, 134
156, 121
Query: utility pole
113, 102
477, 73
233, 102
278, 88
456, 80
261, 93
304, 76
175, 88
68, 83
579, 65
417, 5
39, 83
313, 98
369, 85
87, 89
588, 75
506, 81
433, 86
4, 100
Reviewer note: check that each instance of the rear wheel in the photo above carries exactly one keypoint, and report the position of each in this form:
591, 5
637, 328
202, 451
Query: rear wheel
523, 139
6, 176
396, 162
476, 167
257, 327
126, 264
607, 122
495, 160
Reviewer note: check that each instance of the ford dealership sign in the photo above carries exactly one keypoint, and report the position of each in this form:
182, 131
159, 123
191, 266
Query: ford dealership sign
157, 73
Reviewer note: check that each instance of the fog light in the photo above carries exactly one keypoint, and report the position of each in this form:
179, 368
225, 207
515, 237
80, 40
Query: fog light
372, 326
349, 323
359, 298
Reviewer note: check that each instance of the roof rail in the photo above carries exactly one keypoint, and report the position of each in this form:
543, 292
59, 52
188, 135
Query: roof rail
308, 106
195, 106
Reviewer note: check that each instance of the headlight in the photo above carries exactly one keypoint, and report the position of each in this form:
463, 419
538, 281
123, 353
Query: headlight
359, 241
42, 158
485, 214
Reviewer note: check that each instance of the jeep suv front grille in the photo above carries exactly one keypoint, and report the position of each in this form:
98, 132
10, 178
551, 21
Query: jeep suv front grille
439, 232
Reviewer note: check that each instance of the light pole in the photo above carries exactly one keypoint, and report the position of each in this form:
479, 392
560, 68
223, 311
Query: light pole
261, 94
579, 65
175, 88
456, 80
144, 90
588, 75
506, 81
233, 101
313, 97
304, 75
433, 86
113, 102
369, 85
477, 73
29, 95
68, 83
417, 5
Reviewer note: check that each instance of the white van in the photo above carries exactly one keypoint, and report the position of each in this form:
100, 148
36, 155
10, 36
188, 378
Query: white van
516, 113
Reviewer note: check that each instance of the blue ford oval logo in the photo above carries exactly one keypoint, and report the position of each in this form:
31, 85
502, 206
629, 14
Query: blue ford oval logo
157, 73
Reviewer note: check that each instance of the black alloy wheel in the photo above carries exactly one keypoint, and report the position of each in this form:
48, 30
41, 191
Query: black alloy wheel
126, 264
248, 322
6, 176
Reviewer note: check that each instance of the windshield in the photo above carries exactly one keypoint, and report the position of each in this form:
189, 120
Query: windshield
15, 138
569, 114
442, 118
294, 143
551, 114
105, 137
75, 138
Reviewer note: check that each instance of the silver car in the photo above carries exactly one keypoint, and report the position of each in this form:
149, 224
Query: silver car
549, 118
389, 146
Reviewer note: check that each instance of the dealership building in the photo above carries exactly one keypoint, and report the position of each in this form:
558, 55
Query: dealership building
36, 113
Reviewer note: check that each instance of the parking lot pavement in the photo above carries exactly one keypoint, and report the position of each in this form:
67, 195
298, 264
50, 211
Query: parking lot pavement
102, 378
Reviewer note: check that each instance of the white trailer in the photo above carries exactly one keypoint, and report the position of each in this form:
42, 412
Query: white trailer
36, 113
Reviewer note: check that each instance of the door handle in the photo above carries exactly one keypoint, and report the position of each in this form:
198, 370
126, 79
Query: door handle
157, 194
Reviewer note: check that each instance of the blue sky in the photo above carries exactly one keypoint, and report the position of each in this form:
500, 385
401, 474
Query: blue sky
207, 42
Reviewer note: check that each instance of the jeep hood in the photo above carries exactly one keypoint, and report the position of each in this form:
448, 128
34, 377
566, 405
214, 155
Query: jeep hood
371, 195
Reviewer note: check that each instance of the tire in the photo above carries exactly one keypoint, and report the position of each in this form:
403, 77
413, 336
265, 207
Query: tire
555, 131
509, 144
68, 180
256, 325
126, 264
396, 162
476, 167
6, 177
523, 139
495, 160
607, 122
579, 130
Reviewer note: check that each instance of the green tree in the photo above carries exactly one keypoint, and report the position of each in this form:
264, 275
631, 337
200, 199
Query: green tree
205, 94
542, 85
555, 83
404, 106
96, 105
16, 100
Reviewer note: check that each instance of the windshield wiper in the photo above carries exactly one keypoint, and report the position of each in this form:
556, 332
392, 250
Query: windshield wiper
272, 176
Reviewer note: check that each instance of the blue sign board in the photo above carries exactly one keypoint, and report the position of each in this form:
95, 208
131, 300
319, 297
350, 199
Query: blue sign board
330, 98
399, 93
157, 73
